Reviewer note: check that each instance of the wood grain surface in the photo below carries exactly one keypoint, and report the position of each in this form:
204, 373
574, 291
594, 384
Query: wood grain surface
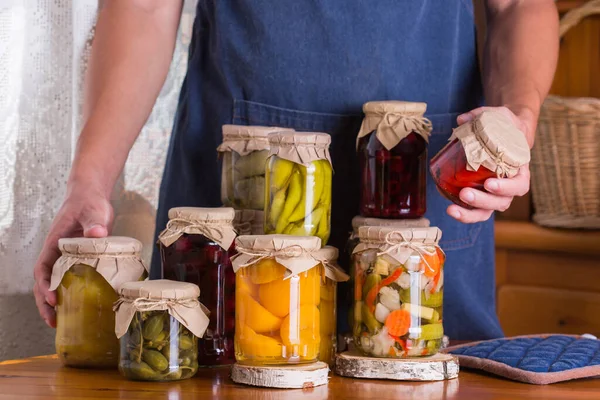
43, 378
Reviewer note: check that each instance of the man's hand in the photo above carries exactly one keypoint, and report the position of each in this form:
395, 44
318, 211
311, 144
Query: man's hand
85, 212
500, 192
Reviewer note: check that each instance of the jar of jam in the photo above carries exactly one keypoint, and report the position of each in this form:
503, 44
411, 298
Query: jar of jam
392, 155
244, 153
248, 222
489, 146
299, 177
87, 277
196, 247
328, 256
158, 324
399, 281
347, 288
278, 293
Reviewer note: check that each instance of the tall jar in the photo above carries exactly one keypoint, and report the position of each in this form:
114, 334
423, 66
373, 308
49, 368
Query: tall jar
347, 288
249, 222
158, 324
196, 247
392, 155
490, 146
328, 256
244, 153
299, 177
278, 292
87, 277
399, 289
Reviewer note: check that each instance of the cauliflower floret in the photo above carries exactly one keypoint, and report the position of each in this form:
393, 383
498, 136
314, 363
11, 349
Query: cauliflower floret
382, 343
381, 312
390, 298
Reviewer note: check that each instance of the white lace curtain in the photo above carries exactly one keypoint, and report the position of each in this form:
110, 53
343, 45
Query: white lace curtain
44, 46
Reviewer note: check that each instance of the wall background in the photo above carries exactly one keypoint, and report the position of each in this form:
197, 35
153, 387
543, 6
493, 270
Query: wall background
44, 46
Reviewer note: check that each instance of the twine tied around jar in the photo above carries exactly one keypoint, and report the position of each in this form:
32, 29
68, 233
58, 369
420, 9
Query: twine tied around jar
421, 248
176, 226
259, 255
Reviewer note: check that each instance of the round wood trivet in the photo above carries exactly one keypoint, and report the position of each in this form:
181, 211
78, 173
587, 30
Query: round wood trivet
281, 376
435, 368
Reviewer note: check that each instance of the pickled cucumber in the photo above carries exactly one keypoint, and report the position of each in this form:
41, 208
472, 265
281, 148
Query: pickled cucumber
157, 347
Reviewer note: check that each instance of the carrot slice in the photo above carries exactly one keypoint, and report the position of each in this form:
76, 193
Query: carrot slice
398, 322
430, 265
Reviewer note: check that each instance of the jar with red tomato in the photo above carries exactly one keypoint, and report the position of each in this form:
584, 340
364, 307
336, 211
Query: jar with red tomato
489, 146
196, 247
392, 154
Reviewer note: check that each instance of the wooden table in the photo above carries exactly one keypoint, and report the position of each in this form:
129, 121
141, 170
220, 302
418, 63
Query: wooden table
44, 378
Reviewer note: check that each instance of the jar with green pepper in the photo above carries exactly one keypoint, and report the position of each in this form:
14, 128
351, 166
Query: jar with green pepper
158, 324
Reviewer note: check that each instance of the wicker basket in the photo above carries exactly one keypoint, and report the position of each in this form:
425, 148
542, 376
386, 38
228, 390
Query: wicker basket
565, 162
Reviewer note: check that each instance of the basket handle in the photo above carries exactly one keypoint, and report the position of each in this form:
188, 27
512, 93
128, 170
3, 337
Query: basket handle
574, 16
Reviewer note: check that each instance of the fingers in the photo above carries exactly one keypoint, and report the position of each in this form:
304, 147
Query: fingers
46, 311
468, 216
95, 220
485, 201
510, 187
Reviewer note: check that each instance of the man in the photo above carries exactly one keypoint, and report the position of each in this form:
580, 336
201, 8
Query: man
310, 65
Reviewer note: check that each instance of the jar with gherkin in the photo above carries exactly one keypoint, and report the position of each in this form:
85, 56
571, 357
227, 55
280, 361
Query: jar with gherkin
298, 185
158, 324
87, 278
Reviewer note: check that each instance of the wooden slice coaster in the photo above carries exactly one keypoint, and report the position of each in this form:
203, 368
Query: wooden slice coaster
435, 368
281, 376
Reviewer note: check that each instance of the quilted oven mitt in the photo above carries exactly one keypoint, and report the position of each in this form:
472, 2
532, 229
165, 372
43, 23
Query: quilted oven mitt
536, 359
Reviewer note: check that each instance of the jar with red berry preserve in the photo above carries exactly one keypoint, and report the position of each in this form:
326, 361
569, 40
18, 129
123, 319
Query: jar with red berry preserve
489, 146
196, 247
392, 154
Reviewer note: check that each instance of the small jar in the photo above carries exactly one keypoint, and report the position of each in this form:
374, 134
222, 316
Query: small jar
299, 177
244, 154
347, 288
399, 281
158, 324
86, 278
278, 292
196, 247
328, 305
392, 156
248, 222
490, 146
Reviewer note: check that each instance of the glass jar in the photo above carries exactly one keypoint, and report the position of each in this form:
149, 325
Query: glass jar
244, 154
347, 288
399, 281
86, 278
328, 256
157, 324
278, 292
248, 222
299, 177
392, 156
490, 146
196, 247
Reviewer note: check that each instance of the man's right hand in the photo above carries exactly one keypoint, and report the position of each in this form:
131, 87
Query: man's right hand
87, 212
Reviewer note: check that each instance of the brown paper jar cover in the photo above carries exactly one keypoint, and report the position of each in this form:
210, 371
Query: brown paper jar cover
300, 147
244, 139
329, 256
116, 258
216, 224
180, 299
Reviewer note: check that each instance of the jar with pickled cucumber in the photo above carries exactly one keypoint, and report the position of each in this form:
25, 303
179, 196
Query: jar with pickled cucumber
278, 293
298, 185
244, 153
158, 324
248, 222
196, 247
399, 289
86, 278
328, 256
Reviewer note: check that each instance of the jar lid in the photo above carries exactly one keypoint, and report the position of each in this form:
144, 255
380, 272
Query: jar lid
300, 147
392, 121
180, 299
215, 224
244, 139
116, 258
328, 256
359, 221
399, 243
494, 141
296, 253
246, 222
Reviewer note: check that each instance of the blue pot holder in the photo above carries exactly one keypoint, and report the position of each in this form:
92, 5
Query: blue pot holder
536, 359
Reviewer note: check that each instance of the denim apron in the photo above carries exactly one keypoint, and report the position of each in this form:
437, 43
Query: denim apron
310, 65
